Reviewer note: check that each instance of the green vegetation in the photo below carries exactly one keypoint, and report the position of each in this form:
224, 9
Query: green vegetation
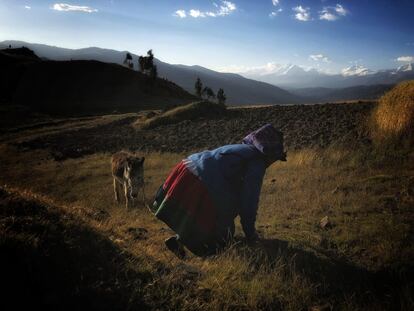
187, 112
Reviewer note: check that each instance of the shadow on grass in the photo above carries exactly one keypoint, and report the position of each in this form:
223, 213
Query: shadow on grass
52, 261
337, 278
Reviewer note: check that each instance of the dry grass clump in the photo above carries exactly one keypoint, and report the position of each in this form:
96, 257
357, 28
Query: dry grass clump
187, 112
393, 120
247, 279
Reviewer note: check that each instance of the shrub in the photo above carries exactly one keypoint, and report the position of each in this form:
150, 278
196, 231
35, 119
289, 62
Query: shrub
188, 112
393, 120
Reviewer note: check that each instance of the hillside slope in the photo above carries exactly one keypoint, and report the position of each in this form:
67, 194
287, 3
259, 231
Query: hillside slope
239, 90
83, 87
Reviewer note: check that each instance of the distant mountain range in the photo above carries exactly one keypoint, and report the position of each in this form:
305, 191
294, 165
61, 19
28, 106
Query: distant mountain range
285, 84
293, 76
239, 90
360, 92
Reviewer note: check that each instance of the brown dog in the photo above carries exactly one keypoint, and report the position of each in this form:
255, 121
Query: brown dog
128, 171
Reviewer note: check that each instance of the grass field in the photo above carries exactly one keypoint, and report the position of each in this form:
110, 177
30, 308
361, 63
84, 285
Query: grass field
362, 260
181, 113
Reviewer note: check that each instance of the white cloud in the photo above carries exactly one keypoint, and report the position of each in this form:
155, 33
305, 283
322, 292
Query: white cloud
328, 16
196, 13
319, 57
341, 10
356, 70
75, 8
275, 13
302, 14
226, 8
405, 59
276, 10
332, 13
268, 68
222, 9
180, 14
27, 7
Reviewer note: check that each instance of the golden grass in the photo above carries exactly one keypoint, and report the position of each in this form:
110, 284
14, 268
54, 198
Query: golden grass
292, 268
187, 112
394, 117
249, 281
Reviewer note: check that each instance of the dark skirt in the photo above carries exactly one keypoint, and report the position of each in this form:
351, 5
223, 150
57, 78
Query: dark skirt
184, 204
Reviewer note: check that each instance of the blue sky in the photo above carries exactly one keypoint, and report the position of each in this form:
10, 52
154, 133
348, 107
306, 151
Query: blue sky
235, 35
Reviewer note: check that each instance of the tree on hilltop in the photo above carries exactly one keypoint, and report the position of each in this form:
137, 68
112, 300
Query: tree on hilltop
208, 92
146, 63
154, 72
198, 87
150, 55
128, 61
221, 97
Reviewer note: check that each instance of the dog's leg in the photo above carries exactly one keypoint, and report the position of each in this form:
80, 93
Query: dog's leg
126, 195
116, 189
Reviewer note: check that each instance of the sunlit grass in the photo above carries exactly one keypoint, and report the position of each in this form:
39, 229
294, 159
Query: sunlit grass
394, 117
186, 112
367, 206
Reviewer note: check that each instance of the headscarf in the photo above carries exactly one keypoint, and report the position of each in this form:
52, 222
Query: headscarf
268, 141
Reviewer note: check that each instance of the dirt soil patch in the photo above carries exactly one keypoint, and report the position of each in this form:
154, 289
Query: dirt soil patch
304, 126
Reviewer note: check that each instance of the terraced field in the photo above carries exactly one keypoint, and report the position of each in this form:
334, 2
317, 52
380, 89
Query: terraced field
307, 126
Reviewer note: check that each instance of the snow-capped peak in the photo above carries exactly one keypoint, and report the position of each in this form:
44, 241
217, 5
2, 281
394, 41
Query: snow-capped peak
277, 70
406, 67
292, 70
357, 70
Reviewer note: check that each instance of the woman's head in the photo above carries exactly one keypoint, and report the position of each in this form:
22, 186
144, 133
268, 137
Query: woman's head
269, 141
